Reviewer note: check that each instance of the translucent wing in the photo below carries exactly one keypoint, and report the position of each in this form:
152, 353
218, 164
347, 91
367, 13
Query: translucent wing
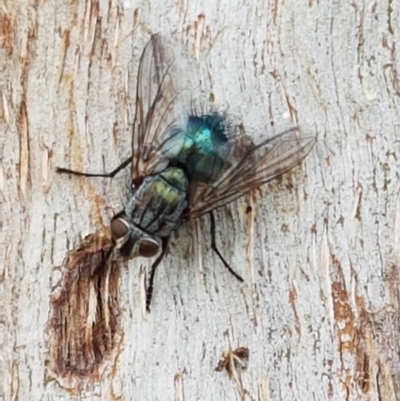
156, 97
257, 165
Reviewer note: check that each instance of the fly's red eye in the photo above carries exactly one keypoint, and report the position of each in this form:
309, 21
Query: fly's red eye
148, 248
118, 229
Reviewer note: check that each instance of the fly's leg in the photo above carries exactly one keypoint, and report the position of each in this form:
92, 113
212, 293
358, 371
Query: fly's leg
216, 250
104, 259
149, 291
108, 175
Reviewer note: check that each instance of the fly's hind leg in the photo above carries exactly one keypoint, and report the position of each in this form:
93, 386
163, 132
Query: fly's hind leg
216, 250
108, 175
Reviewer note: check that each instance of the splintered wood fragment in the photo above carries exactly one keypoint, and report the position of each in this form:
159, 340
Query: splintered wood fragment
234, 362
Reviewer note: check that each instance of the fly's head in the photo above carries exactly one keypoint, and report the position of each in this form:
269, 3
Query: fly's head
131, 240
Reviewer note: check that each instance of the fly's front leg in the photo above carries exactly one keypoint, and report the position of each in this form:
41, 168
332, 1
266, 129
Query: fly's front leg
108, 175
216, 250
149, 291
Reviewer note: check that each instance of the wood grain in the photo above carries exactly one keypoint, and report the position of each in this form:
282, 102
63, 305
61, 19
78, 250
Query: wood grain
319, 250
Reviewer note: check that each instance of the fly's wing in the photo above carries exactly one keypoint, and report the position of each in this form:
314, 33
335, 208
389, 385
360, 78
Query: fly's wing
156, 97
257, 165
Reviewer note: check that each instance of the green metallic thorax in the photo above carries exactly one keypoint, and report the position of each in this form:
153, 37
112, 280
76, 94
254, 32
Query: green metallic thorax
158, 203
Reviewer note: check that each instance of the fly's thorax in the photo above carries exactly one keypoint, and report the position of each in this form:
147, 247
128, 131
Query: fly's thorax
160, 202
131, 240
153, 211
175, 177
157, 192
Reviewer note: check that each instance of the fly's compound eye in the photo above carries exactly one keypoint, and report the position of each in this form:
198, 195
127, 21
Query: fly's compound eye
119, 229
148, 247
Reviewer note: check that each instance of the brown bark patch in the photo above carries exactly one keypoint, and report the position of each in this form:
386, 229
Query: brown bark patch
84, 325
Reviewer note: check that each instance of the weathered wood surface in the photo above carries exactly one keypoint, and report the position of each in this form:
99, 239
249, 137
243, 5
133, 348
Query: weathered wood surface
320, 251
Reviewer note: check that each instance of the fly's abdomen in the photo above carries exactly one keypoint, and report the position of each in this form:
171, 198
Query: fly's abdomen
200, 148
159, 202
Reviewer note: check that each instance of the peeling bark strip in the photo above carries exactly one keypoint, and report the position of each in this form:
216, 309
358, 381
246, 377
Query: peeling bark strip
84, 324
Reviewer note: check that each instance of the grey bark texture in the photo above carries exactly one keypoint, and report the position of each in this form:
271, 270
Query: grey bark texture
319, 250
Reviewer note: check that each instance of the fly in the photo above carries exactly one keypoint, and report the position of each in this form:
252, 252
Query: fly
185, 168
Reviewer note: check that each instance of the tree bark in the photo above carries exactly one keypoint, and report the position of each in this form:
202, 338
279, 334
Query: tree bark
319, 249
